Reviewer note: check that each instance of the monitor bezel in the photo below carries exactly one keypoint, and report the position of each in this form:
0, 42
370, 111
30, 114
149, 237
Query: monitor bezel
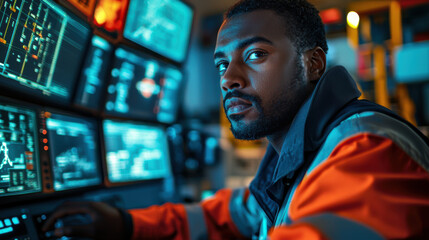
107, 181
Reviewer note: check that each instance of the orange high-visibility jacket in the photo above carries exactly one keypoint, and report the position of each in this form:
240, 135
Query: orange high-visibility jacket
362, 176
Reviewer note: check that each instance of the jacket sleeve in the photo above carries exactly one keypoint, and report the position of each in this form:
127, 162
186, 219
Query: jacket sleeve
368, 188
210, 219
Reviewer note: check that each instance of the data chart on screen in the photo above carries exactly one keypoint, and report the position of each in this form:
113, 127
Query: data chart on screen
41, 48
135, 151
73, 150
163, 26
19, 158
142, 87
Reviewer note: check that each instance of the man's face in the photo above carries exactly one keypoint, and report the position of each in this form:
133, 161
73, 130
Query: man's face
262, 76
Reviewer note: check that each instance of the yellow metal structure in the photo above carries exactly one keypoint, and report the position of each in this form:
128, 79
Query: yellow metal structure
380, 77
406, 105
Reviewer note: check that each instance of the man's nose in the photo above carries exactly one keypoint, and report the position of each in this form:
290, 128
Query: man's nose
234, 77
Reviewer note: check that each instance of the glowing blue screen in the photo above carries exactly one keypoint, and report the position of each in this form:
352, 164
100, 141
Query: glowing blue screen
41, 50
135, 151
19, 155
94, 73
141, 87
73, 152
162, 26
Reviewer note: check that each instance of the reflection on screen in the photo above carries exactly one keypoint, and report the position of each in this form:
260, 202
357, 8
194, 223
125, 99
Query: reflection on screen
143, 88
164, 26
41, 48
19, 159
73, 152
94, 73
135, 151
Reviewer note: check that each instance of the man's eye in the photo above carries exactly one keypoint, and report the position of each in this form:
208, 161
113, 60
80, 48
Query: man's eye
221, 67
256, 55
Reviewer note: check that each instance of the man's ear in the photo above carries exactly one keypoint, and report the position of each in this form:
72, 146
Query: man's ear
315, 61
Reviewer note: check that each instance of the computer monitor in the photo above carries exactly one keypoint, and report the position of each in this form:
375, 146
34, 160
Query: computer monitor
19, 154
109, 15
135, 151
94, 73
73, 151
163, 26
143, 88
41, 50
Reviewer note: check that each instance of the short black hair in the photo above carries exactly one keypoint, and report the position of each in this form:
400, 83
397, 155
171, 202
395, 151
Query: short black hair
303, 24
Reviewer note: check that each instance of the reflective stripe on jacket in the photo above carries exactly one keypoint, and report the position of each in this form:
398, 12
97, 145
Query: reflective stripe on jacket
367, 181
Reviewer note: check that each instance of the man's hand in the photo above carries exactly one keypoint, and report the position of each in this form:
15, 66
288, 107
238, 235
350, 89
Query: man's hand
106, 222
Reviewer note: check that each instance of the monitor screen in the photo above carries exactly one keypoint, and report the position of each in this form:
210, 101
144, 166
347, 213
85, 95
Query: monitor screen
73, 150
135, 151
42, 49
163, 26
143, 88
19, 154
110, 15
94, 72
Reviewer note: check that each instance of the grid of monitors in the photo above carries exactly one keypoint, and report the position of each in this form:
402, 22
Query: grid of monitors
41, 49
135, 151
163, 26
73, 150
143, 88
19, 155
93, 75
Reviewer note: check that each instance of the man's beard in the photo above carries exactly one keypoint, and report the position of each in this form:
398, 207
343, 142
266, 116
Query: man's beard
277, 114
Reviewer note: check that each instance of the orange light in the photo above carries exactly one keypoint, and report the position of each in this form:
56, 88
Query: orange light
45, 140
110, 14
100, 16
331, 15
29, 166
46, 148
44, 132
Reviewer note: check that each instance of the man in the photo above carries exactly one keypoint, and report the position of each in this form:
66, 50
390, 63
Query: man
336, 167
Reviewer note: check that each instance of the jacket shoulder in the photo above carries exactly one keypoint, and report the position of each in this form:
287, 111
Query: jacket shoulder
379, 124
